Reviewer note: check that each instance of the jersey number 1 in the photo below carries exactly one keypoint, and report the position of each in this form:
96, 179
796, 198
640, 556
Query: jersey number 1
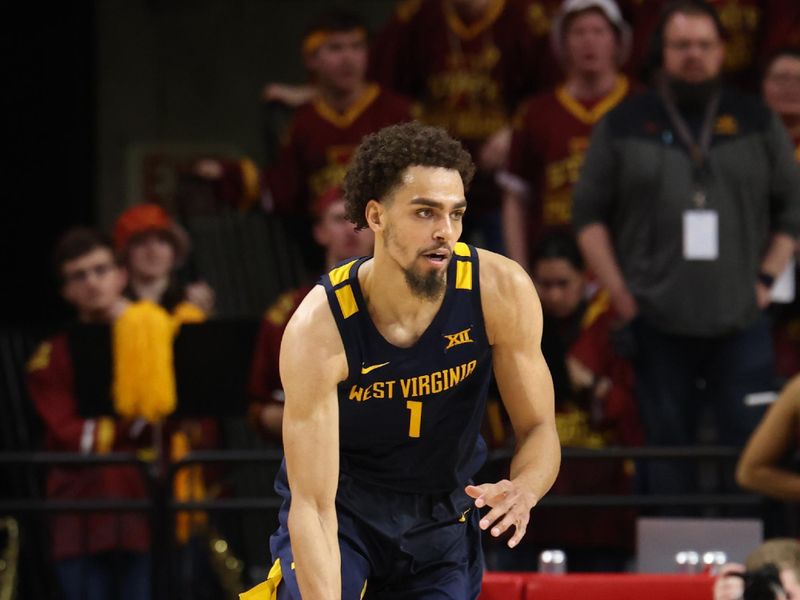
416, 417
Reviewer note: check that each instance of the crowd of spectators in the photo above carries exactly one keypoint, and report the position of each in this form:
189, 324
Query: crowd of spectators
655, 205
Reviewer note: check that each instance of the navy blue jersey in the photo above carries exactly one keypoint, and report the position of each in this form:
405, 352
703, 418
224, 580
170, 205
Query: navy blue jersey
409, 418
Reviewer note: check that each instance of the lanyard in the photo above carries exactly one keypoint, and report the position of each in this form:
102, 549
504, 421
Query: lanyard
698, 149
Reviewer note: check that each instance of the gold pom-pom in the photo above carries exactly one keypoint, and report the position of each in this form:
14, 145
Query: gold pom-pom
144, 375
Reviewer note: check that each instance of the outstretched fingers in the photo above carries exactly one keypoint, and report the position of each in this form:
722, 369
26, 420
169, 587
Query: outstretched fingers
509, 507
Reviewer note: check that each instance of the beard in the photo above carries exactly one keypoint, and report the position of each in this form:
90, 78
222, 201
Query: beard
694, 96
428, 286
425, 285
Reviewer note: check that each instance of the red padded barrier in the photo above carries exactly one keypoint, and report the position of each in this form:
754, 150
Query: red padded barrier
503, 586
613, 586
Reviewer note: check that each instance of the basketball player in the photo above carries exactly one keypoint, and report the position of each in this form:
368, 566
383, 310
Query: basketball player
385, 367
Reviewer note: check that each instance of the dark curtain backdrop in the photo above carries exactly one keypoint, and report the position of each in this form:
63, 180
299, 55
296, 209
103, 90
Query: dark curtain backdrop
49, 87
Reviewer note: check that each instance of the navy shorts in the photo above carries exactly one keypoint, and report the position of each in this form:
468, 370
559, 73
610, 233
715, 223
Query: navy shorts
394, 545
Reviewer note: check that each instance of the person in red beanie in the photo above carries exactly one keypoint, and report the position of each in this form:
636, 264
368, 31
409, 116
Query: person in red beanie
333, 232
152, 247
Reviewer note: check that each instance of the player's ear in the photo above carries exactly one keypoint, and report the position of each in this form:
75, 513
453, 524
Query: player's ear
375, 215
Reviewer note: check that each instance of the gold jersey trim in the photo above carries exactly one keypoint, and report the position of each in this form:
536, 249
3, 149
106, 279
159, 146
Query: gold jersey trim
461, 249
590, 117
41, 358
463, 275
344, 294
468, 32
266, 590
104, 436
347, 301
599, 304
344, 120
342, 273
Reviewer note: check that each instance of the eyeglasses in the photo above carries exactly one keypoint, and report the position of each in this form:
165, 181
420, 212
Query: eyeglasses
704, 46
82, 275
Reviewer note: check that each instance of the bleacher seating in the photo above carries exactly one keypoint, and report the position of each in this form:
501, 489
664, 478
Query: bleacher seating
502, 586
595, 586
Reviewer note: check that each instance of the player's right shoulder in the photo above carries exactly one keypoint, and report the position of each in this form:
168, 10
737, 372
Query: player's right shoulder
499, 272
313, 317
312, 329
507, 295
311, 348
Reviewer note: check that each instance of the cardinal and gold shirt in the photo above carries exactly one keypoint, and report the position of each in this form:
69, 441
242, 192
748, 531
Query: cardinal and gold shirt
320, 142
550, 139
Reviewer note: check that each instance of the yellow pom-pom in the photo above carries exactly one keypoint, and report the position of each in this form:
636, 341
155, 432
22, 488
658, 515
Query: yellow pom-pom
144, 375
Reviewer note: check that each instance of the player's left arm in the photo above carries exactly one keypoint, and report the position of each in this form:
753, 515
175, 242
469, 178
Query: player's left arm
513, 316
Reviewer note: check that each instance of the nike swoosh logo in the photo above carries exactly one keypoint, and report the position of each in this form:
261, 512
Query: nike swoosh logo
365, 370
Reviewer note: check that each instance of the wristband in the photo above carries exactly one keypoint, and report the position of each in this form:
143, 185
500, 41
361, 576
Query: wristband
766, 279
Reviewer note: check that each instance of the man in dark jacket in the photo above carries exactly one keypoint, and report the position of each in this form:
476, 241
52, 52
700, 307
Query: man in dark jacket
687, 208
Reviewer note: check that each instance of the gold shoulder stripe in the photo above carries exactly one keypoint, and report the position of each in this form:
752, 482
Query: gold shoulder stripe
461, 249
41, 358
347, 301
463, 275
340, 274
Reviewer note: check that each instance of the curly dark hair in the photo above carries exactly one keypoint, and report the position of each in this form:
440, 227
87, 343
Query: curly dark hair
382, 157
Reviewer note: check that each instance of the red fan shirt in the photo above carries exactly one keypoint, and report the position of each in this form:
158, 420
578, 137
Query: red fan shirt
51, 384
469, 77
550, 139
320, 143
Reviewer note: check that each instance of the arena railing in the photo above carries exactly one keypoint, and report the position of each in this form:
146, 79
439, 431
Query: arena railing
209, 457
716, 453
162, 507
